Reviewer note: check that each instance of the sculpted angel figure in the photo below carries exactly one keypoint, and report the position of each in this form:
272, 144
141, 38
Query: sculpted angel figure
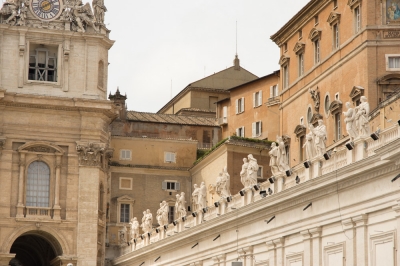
134, 228
83, 13
349, 117
252, 170
10, 7
99, 9
361, 117
243, 173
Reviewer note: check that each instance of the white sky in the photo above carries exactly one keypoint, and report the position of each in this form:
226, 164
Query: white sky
184, 40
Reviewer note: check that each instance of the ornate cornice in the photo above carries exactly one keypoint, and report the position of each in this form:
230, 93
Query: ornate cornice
90, 154
315, 34
299, 47
356, 92
284, 60
353, 3
41, 147
300, 130
335, 107
389, 79
334, 18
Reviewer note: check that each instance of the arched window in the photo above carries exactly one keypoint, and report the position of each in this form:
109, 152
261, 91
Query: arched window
38, 185
100, 77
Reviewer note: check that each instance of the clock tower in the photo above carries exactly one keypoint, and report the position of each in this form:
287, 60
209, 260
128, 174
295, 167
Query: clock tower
54, 142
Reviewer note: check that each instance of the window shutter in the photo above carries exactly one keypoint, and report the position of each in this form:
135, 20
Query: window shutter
177, 186
253, 129
259, 98
254, 99
242, 132
237, 106
225, 111
173, 157
237, 132
164, 185
259, 128
271, 92
277, 89
242, 104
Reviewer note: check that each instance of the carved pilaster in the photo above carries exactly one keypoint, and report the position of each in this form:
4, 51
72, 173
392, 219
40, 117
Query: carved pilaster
22, 48
316, 245
66, 49
349, 231
20, 205
90, 154
307, 246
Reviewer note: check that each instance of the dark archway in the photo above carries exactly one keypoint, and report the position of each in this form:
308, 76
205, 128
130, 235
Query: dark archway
34, 249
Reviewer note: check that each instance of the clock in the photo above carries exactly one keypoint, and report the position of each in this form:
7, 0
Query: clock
46, 9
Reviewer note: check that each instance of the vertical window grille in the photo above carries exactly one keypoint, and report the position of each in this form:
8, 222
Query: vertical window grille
38, 185
316, 51
124, 213
285, 77
336, 36
394, 62
338, 126
301, 65
43, 66
357, 19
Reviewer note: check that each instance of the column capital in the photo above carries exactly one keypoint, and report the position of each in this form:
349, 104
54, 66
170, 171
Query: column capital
221, 257
270, 245
315, 232
348, 223
248, 250
306, 234
279, 242
360, 220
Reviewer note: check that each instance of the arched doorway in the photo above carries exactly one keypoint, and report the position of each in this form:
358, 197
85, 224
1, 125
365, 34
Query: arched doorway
36, 248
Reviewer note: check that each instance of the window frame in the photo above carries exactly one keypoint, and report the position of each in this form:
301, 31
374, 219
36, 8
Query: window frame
123, 158
357, 19
242, 130
172, 155
240, 105
387, 59
126, 178
49, 185
334, 249
256, 126
261, 170
301, 65
165, 183
336, 36
124, 200
317, 51
338, 126
285, 76
257, 99
377, 239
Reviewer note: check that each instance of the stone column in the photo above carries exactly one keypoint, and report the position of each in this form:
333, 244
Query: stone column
248, 259
57, 208
279, 251
221, 259
361, 239
5, 259
271, 250
307, 247
397, 215
22, 48
20, 205
316, 246
350, 253
215, 261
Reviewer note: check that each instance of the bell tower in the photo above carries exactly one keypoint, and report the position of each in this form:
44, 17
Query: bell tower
54, 118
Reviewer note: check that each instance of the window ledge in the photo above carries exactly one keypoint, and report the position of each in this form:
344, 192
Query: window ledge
272, 101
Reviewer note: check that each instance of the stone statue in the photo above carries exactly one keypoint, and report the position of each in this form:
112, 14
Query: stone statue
361, 117
83, 14
147, 221
134, 228
10, 7
24, 6
122, 235
282, 160
273, 161
349, 117
99, 10
180, 205
252, 170
315, 97
159, 215
223, 183
319, 135
202, 196
243, 173
309, 145
195, 198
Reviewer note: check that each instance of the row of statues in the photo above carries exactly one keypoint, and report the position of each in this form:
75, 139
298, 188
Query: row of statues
357, 123
278, 158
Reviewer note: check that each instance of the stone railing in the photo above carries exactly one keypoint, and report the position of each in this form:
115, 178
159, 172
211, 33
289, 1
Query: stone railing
340, 157
38, 212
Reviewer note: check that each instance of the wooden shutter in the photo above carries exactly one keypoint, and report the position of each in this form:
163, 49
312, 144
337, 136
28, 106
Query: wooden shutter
237, 132
277, 89
254, 99
259, 128
242, 102
164, 185
259, 98
271, 92
177, 186
243, 132
173, 157
237, 106
253, 129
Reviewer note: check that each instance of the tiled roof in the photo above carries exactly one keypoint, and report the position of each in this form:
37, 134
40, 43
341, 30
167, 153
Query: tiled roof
170, 119
197, 110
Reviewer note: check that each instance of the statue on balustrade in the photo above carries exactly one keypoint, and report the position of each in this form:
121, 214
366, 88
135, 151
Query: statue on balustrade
223, 184
180, 205
134, 224
349, 119
195, 198
273, 161
252, 170
361, 117
243, 173
309, 146
99, 9
147, 221
161, 219
83, 14
202, 201
319, 135
282, 159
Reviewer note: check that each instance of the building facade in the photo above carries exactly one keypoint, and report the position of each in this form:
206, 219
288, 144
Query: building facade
54, 150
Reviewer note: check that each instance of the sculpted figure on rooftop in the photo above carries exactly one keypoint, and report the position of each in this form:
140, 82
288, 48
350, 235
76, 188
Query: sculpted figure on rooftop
361, 117
202, 196
282, 159
195, 198
134, 228
310, 146
349, 119
223, 184
252, 170
319, 135
83, 14
99, 9
243, 173
273, 161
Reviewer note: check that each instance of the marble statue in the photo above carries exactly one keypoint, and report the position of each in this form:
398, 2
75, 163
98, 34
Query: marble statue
10, 7
24, 6
147, 221
319, 135
83, 14
99, 9
165, 212
122, 235
180, 205
159, 215
315, 97
243, 172
223, 184
134, 228
349, 119
273, 161
361, 117
252, 170
309, 146
195, 198
202, 196
282, 159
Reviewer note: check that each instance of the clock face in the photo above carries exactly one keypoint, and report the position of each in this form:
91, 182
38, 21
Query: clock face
46, 9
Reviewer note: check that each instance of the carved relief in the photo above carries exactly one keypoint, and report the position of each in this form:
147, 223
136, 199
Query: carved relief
90, 154
41, 149
316, 98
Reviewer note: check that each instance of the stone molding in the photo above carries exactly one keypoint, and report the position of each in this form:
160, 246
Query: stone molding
315, 34
334, 18
284, 60
299, 48
335, 107
353, 3
300, 130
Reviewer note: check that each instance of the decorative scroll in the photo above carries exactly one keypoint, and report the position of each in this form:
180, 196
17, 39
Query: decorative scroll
90, 155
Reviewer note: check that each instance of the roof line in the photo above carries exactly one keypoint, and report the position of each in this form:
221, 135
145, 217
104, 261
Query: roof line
276, 73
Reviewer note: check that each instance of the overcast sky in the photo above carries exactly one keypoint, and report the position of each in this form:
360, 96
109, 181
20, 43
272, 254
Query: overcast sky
184, 40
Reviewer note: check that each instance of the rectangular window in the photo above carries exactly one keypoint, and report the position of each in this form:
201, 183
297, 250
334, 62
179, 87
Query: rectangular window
169, 157
274, 91
257, 99
302, 149
301, 65
383, 249
43, 62
256, 129
316, 51
316, 20
125, 155
171, 185
124, 213
300, 34
393, 62
338, 127
240, 132
335, 36
240, 105
171, 214
357, 19
285, 77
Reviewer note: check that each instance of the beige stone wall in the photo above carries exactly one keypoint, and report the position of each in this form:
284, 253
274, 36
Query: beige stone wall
201, 99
